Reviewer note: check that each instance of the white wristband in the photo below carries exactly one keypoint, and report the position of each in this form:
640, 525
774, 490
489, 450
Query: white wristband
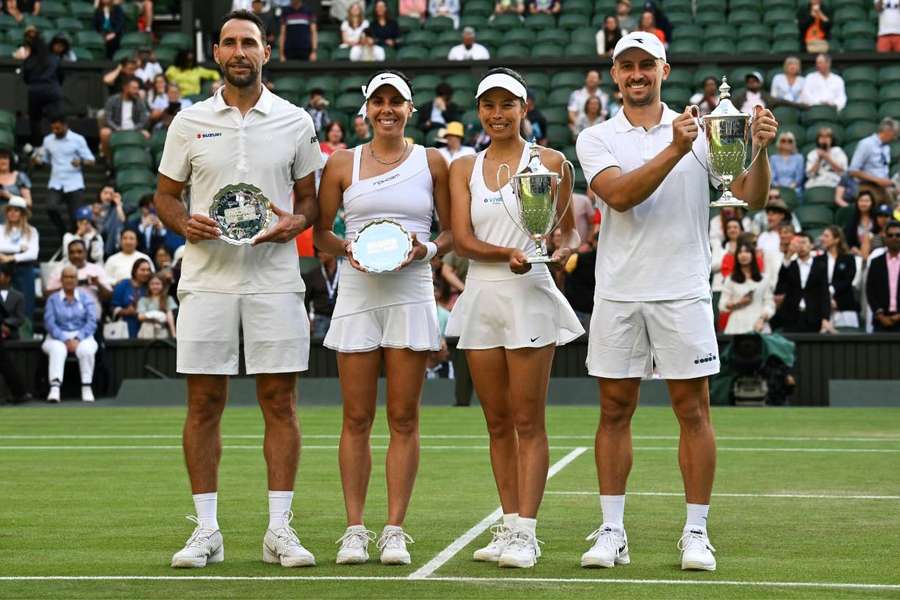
430, 250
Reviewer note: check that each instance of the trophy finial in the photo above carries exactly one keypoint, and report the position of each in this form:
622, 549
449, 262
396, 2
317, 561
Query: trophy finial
724, 89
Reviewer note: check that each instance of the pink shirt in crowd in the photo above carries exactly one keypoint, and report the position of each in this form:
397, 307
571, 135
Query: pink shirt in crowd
893, 265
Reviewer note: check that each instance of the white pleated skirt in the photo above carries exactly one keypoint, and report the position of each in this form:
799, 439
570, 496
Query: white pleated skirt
384, 310
527, 311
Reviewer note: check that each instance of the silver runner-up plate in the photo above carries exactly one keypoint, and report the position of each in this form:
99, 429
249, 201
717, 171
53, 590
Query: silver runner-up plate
241, 211
382, 246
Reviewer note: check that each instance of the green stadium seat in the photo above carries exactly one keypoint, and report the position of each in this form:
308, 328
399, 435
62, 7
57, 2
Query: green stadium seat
684, 46
680, 76
847, 13
753, 46
416, 134
785, 46
7, 120
889, 74
580, 49
513, 51
559, 135
506, 22
328, 38
678, 19
755, 30
718, 46
136, 39
737, 76
128, 179
408, 23
39, 21
707, 70
820, 113
348, 102
779, 15
449, 36
123, 53
676, 97
410, 53
158, 140
554, 36
559, 96
571, 22
177, 40
819, 195
567, 80
81, 10
584, 8
865, 92
439, 51
548, 51
473, 7
889, 92
328, 83
860, 73
353, 83
459, 80
519, 36
471, 121
743, 17
688, 31
424, 97
6, 21
784, 30
844, 215
490, 37
859, 130
121, 139
477, 22
786, 114
859, 111
132, 198
708, 17
864, 28
7, 139
814, 215
889, 109
538, 80
290, 85
719, 30
69, 24
556, 113
90, 40
83, 53
748, 5
859, 44
540, 22
131, 156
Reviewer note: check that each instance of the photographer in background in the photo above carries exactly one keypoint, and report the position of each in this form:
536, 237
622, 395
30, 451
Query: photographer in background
317, 107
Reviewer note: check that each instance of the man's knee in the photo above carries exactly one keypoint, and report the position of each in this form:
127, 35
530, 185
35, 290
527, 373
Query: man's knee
205, 407
691, 405
618, 401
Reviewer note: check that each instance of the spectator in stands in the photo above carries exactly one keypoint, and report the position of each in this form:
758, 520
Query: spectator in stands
70, 321
591, 115
824, 87
353, 27
109, 21
188, 75
124, 71
718, 224
883, 216
367, 50
722, 248
787, 164
534, 125
92, 279
707, 99
776, 213
384, 27
814, 22
452, 136
872, 159
789, 84
627, 21
151, 231
11, 8
109, 218
583, 212
804, 304
361, 131
42, 74
158, 89
445, 8
155, 311
648, 24
299, 38
469, 49
12, 317
412, 8
128, 292
148, 67
547, 7
578, 98
888, 25
61, 46
164, 108
826, 163
19, 244
609, 35
746, 295
754, 95
321, 292
267, 16
334, 138
862, 226
125, 111
883, 283
12, 181
164, 265
120, 265
317, 107
509, 7
841, 268
439, 111
774, 260
85, 231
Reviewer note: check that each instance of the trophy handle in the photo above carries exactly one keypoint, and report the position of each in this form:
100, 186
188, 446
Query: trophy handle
561, 216
695, 112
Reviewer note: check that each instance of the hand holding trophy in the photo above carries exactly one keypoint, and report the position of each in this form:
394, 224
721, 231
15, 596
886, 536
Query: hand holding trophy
536, 191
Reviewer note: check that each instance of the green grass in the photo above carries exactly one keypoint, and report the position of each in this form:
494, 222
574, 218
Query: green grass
118, 512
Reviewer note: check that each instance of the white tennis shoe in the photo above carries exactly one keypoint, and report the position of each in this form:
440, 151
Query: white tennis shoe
696, 551
354, 543
491, 552
521, 550
392, 544
282, 546
202, 548
610, 548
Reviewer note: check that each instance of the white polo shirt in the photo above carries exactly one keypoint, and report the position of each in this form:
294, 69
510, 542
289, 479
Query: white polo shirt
211, 145
658, 250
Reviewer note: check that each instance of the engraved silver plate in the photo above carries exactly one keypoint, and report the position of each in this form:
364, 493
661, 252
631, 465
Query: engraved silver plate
382, 246
241, 211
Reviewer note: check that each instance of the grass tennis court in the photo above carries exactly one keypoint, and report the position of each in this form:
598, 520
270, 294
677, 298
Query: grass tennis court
809, 498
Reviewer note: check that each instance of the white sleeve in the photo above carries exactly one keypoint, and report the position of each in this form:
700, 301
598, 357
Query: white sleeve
573, 103
307, 154
594, 154
176, 159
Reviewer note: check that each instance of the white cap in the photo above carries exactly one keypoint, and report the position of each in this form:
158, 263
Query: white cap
502, 80
391, 79
647, 42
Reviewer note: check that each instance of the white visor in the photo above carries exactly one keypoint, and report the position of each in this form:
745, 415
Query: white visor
395, 81
504, 81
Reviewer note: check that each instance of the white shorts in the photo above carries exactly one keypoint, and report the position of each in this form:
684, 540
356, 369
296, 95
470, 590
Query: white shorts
627, 339
275, 330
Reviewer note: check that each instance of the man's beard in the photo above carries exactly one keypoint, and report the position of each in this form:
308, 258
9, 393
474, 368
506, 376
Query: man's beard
244, 81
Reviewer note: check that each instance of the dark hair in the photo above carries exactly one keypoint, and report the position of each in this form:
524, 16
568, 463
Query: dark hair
137, 264
7, 269
807, 236
443, 89
892, 224
616, 34
181, 58
58, 118
738, 274
368, 31
146, 200
76, 241
163, 294
340, 125
126, 81
725, 228
245, 15
387, 10
125, 60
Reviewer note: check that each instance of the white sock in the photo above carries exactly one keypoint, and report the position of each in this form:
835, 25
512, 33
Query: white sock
529, 525
205, 505
509, 519
613, 508
696, 516
279, 507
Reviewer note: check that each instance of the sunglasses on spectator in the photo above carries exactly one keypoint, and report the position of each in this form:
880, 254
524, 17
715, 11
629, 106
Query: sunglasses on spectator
787, 141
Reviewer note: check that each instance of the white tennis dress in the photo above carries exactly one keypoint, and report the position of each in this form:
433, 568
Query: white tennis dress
395, 309
499, 308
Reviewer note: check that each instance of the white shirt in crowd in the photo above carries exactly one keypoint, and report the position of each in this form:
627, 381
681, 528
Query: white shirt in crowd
476, 52
825, 176
148, 72
782, 88
451, 156
889, 17
658, 250
824, 90
580, 96
118, 266
212, 146
352, 35
805, 267
751, 101
162, 103
762, 304
367, 54
127, 112
768, 241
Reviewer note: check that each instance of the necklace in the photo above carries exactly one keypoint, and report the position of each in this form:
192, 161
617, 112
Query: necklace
393, 162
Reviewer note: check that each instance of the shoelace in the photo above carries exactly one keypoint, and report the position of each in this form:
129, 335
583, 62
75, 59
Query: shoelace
500, 533
605, 536
287, 534
692, 537
522, 539
195, 540
357, 539
394, 538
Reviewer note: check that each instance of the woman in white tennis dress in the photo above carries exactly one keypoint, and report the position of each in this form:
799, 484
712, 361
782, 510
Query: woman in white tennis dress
383, 320
511, 316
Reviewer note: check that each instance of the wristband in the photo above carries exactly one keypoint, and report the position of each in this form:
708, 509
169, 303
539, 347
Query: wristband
430, 251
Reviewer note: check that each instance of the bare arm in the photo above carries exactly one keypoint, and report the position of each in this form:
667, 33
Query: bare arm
174, 215
281, 35
303, 214
753, 186
335, 178
440, 174
624, 192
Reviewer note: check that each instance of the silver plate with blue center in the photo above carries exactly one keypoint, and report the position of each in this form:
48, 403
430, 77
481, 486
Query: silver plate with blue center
241, 211
382, 246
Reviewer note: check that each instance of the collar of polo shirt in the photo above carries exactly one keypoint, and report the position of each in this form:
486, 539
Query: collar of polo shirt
622, 124
263, 105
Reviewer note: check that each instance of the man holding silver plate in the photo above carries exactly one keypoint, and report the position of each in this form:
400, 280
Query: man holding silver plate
250, 158
652, 308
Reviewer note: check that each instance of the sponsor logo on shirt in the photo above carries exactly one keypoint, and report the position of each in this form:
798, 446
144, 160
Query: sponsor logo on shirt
214, 134
386, 179
314, 140
493, 200
706, 358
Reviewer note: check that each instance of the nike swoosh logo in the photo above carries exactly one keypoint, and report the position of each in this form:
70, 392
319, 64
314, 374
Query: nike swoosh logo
535, 338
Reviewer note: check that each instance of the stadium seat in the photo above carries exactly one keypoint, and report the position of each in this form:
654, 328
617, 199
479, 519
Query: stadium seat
812, 131
448, 36
559, 135
131, 156
128, 179
559, 97
676, 97
120, 139
7, 120
519, 36
849, 12
889, 109
580, 49
290, 85
745, 5
540, 21
408, 23
755, 30
554, 36
684, 46
779, 15
819, 195
860, 73
471, 121
819, 113
90, 40
583, 8
857, 30
785, 46
677, 19
859, 44
737, 76
491, 37
789, 195
39, 21
743, 17
786, 114
706, 70
859, 130
132, 198
68, 24
719, 46
889, 74
548, 51
844, 215
177, 40
136, 39
460, 80
83, 53
567, 80
708, 17
538, 80
327, 83
753, 46
412, 53
556, 114
866, 92
571, 21
7, 139
814, 215
719, 30
506, 22
889, 92
687, 31
439, 51
82, 10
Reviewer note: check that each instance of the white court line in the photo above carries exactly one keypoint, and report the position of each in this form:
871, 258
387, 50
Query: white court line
452, 447
462, 541
730, 495
472, 580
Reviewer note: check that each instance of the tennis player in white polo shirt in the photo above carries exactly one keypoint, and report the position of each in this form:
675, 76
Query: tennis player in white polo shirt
652, 303
244, 134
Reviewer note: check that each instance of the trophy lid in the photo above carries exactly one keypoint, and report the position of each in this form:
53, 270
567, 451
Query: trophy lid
726, 108
535, 166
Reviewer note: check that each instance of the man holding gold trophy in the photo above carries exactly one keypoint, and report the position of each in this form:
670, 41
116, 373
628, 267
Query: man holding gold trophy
245, 152
652, 308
